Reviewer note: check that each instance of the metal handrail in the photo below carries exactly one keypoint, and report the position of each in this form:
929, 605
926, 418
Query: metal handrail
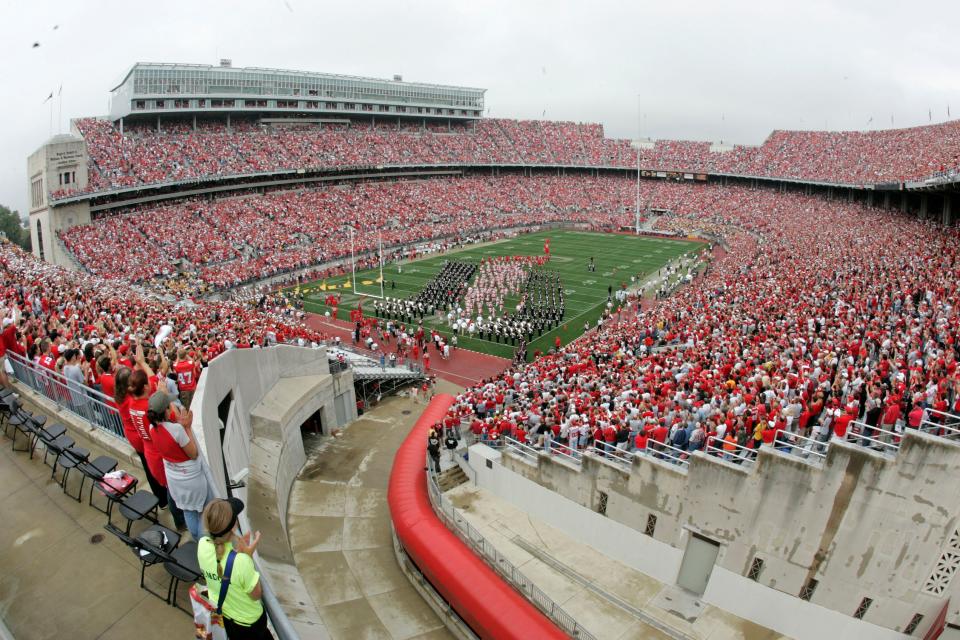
523, 449
475, 540
572, 455
82, 401
669, 452
889, 445
735, 455
811, 446
610, 452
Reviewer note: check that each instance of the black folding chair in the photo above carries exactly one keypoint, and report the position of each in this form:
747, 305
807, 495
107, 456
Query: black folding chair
182, 566
22, 422
140, 505
111, 493
57, 447
95, 471
69, 460
46, 435
148, 553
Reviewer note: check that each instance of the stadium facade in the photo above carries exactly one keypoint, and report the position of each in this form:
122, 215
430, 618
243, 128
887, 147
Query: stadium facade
867, 536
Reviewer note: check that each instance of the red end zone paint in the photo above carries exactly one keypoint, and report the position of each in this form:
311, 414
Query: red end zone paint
485, 602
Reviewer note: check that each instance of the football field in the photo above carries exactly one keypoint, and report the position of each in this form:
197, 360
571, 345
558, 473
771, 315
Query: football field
616, 256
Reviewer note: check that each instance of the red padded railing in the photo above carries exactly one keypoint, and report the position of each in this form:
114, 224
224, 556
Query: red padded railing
488, 605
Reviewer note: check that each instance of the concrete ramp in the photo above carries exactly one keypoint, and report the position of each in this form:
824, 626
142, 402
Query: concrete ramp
339, 527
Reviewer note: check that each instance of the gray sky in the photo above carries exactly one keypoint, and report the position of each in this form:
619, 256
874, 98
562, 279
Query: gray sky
729, 71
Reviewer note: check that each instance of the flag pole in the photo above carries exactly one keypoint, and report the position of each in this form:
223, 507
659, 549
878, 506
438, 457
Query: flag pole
353, 263
380, 238
636, 225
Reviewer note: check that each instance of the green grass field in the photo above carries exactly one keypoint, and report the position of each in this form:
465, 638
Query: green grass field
617, 257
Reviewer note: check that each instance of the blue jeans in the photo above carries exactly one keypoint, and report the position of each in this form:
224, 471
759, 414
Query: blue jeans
194, 519
179, 515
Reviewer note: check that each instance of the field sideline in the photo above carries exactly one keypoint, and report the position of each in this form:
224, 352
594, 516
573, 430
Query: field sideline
617, 257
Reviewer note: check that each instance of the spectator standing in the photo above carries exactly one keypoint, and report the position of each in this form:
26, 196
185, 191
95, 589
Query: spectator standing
187, 478
243, 615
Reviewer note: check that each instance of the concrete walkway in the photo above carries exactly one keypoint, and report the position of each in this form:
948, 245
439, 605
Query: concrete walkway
611, 600
339, 526
61, 574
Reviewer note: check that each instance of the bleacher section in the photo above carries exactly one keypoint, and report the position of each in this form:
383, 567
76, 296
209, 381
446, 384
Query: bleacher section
177, 152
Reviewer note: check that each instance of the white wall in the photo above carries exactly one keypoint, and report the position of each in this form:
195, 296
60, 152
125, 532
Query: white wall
726, 590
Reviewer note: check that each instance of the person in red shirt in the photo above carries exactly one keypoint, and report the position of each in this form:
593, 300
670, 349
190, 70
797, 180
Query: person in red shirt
842, 423
7, 327
187, 372
137, 404
47, 359
122, 400
640, 442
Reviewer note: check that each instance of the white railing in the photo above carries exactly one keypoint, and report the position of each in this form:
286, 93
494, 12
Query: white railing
566, 453
608, 452
739, 454
663, 451
809, 447
940, 423
526, 451
890, 445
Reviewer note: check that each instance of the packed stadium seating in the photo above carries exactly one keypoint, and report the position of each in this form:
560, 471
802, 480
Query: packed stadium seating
80, 307
222, 243
815, 310
144, 156
810, 306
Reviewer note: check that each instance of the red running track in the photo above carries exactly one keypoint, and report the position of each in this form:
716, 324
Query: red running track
464, 368
489, 606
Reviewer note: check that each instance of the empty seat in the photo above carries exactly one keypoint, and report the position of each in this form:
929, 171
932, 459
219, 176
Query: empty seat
57, 447
183, 566
46, 435
68, 461
140, 505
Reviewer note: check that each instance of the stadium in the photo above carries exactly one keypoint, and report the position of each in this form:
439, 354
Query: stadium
483, 377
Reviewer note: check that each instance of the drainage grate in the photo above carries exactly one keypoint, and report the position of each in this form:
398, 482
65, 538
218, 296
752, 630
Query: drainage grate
96, 538
406, 412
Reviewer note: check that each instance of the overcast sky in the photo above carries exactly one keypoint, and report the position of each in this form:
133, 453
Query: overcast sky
729, 71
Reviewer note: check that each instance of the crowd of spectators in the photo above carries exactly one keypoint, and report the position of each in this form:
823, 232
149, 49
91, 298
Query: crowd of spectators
143, 155
816, 318
201, 245
54, 310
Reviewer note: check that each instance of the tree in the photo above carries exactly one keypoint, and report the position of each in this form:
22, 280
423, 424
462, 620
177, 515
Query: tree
12, 227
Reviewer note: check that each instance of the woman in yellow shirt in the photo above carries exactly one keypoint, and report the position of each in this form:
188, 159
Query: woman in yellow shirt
243, 614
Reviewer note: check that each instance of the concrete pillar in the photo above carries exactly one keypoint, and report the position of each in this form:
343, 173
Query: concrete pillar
158, 123
923, 206
869, 198
903, 201
121, 126
946, 216
228, 122
849, 195
194, 122
886, 200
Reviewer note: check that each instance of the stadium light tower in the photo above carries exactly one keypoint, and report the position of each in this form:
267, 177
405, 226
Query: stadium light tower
636, 228
353, 262
380, 238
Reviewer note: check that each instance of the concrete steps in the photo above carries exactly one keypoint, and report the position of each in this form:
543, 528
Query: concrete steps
451, 478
